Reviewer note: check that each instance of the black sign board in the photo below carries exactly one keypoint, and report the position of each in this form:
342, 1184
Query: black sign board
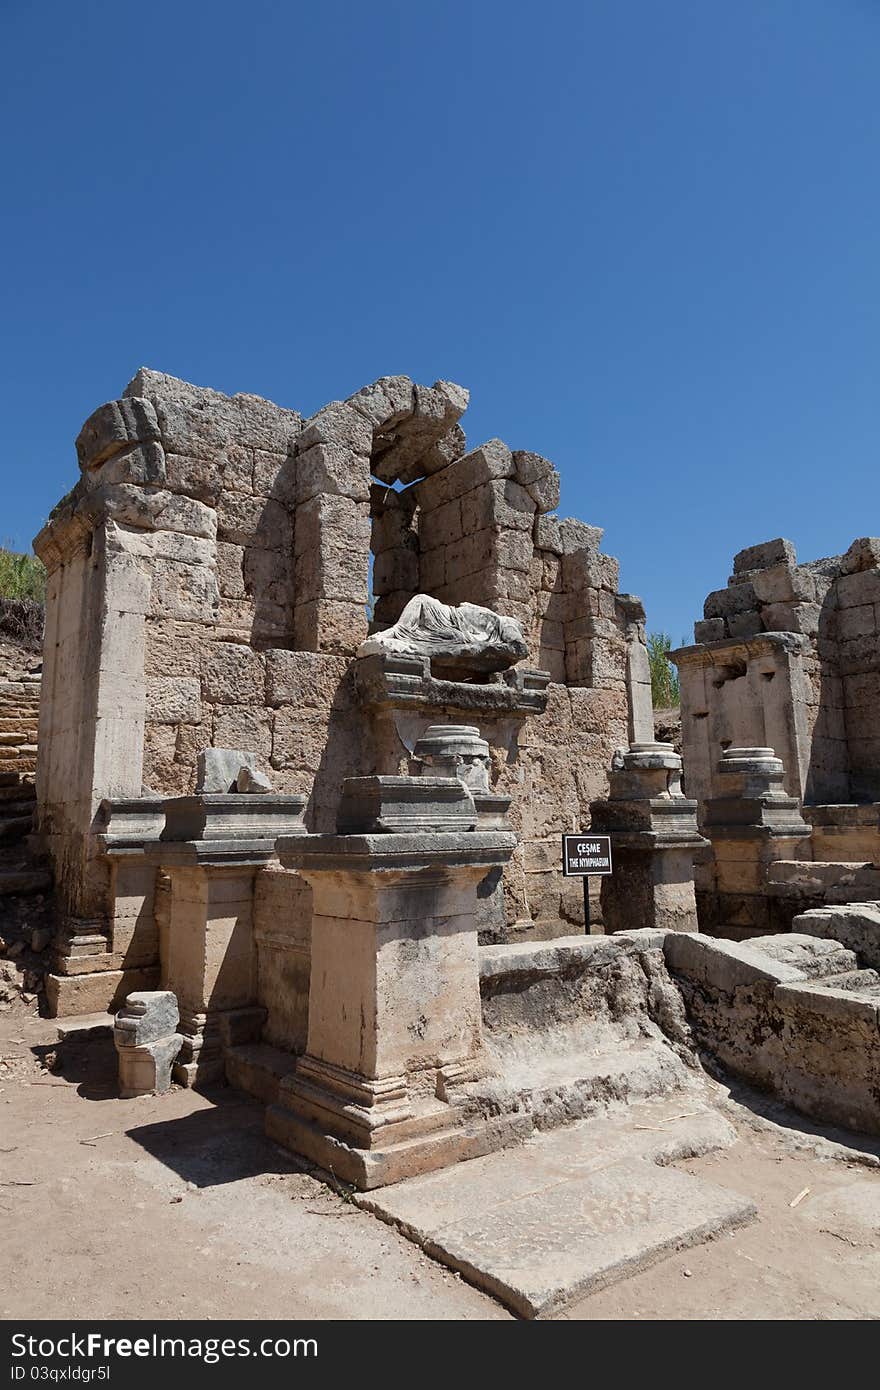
585, 854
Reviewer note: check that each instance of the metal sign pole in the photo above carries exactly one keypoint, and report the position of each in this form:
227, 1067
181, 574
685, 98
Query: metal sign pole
586, 883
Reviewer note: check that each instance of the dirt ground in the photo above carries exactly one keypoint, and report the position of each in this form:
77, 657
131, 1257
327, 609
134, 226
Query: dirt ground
177, 1206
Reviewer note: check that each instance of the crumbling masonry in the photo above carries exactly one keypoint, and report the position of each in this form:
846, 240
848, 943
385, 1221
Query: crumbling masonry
209, 579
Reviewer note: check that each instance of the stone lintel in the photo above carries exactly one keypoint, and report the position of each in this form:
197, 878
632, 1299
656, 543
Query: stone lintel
730, 649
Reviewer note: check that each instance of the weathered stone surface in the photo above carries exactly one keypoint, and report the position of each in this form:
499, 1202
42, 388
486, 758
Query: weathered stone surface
331, 468
541, 1243
218, 768
174, 700
234, 675
540, 479
863, 554
723, 603
765, 555
113, 427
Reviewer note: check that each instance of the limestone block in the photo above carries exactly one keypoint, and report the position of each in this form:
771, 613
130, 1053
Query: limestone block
307, 680
268, 575
737, 598
253, 521
114, 426
262, 424
240, 726
441, 526
331, 549
299, 739
230, 569
710, 630
153, 510
540, 479
858, 655
327, 626
499, 503
863, 554
341, 424
765, 556
744, 624
218, 769
188, 592
252, 783
784, 584
576, 537
396, 569
384, 403
275, 476
857, 622
863, 690
233, 675
445, 451
331, 468
432, 570
174, 700
398, 449
548, 535
198, 478
791, 617
490, 461
854, 590
140, 464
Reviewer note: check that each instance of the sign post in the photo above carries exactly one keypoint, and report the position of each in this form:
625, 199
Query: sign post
582, 855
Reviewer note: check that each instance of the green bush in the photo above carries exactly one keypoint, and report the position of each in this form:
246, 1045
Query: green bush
21, 576
664, 677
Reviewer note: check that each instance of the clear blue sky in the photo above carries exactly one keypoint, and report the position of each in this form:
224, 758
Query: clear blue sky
645, 233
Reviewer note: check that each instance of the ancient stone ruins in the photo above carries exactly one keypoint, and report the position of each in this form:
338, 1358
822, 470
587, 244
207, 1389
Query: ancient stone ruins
319, 699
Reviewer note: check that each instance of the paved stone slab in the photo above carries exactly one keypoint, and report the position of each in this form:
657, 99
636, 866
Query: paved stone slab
567, 1214
83, 1026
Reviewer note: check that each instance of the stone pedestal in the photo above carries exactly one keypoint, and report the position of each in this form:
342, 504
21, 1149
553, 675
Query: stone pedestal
751, 826
97, 963
394, 1002
654, 838
211, 962
147, 1042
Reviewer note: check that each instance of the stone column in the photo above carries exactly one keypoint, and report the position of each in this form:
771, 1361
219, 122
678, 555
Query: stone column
751, 825
394, 1002
654, 837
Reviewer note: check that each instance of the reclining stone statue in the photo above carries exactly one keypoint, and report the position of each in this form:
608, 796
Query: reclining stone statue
467, 637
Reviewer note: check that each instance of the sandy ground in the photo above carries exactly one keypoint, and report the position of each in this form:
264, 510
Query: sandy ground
178, 1206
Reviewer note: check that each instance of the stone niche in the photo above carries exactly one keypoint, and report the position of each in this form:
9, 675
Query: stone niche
786, 660
208, 581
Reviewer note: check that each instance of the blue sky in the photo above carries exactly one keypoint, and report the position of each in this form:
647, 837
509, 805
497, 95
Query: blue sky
643, 232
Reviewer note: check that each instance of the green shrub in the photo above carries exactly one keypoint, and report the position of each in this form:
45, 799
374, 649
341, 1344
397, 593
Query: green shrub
21, 576
664, 677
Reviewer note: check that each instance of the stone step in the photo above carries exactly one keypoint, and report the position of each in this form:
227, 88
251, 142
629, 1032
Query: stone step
14, 828
560, 1089
83, 1027
15, 790
258, 1069
564, 1215
24, 881
855, 981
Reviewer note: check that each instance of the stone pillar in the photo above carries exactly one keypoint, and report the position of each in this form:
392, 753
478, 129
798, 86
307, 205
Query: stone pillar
212, 848
752, 824
654, 838
394, 1000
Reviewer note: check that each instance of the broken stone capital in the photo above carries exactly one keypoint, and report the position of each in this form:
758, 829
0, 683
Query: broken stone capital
147, 1042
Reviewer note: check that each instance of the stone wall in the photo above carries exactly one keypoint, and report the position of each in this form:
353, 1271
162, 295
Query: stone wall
208, 586
787, 656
